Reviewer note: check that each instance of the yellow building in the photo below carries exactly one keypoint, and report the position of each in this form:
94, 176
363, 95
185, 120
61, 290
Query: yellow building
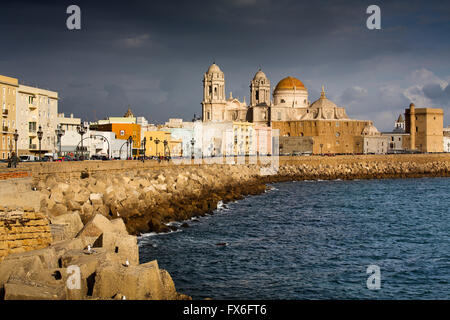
425, 128
161, 143
8, 87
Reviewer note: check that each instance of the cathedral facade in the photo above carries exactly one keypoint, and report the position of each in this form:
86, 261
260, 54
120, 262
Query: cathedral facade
289, 101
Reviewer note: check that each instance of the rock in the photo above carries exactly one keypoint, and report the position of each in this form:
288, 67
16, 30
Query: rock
96, 226
141, 282
124, 246
119, 226
87, 264
72, 224
57, 196
86, 212
185, 225
73, 205
25, 291
81, 197
96, 199
57, 210
9, 267
47, 257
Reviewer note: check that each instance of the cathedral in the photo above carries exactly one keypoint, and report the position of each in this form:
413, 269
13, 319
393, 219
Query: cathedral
289, 103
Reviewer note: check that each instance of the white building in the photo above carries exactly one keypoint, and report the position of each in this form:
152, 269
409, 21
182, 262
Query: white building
447, 139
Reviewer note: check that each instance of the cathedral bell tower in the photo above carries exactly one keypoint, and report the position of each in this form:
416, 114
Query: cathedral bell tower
260, 89
214, 100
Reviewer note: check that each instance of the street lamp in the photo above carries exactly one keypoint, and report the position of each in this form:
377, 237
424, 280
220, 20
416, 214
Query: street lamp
130, 143
59, 133
144, 142
192, 149
39, 134
16, 137
81, 129
157, 141
165, 146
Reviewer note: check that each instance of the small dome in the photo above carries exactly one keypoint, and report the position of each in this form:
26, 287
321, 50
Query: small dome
289, 83
323, 102
259, 75
370, 130
213, 68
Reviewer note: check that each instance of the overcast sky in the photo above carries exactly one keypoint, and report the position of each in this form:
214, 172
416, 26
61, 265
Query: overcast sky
151, 55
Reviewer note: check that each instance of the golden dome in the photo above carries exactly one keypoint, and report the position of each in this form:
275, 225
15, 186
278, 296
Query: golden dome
289, 83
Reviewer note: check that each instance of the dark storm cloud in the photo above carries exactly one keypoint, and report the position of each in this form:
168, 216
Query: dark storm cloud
436, 93
152, 54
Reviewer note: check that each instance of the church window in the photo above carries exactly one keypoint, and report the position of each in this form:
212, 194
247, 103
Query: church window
207, 115
257, 94
283, 101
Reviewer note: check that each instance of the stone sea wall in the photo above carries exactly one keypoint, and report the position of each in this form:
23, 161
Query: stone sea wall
151, 195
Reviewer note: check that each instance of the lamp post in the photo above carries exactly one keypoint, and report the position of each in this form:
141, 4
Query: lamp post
192, 149
157, 141
144, 142
130, 143
39, 134
59, 133
165, 146
16, 137
81, 129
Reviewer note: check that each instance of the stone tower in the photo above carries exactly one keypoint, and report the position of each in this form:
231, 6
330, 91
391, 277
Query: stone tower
412, 126
213, 104
260, 89
260, 100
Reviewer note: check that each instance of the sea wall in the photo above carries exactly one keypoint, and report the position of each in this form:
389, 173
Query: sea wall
151, 194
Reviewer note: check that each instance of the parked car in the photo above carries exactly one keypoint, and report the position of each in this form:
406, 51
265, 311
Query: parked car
28, 158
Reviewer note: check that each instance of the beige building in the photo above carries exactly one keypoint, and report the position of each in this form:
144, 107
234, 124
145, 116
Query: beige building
329, 127
425, 129
36, 107
373, 141
8, 87
397, 136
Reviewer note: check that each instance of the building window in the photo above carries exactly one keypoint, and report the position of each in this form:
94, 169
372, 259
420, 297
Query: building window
283, 101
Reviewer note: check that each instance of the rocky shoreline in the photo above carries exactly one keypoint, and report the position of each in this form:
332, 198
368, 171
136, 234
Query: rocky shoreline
143, 200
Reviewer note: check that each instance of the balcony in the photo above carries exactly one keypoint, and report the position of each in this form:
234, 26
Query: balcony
32, 106
5, 129
5, 112
32, 146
